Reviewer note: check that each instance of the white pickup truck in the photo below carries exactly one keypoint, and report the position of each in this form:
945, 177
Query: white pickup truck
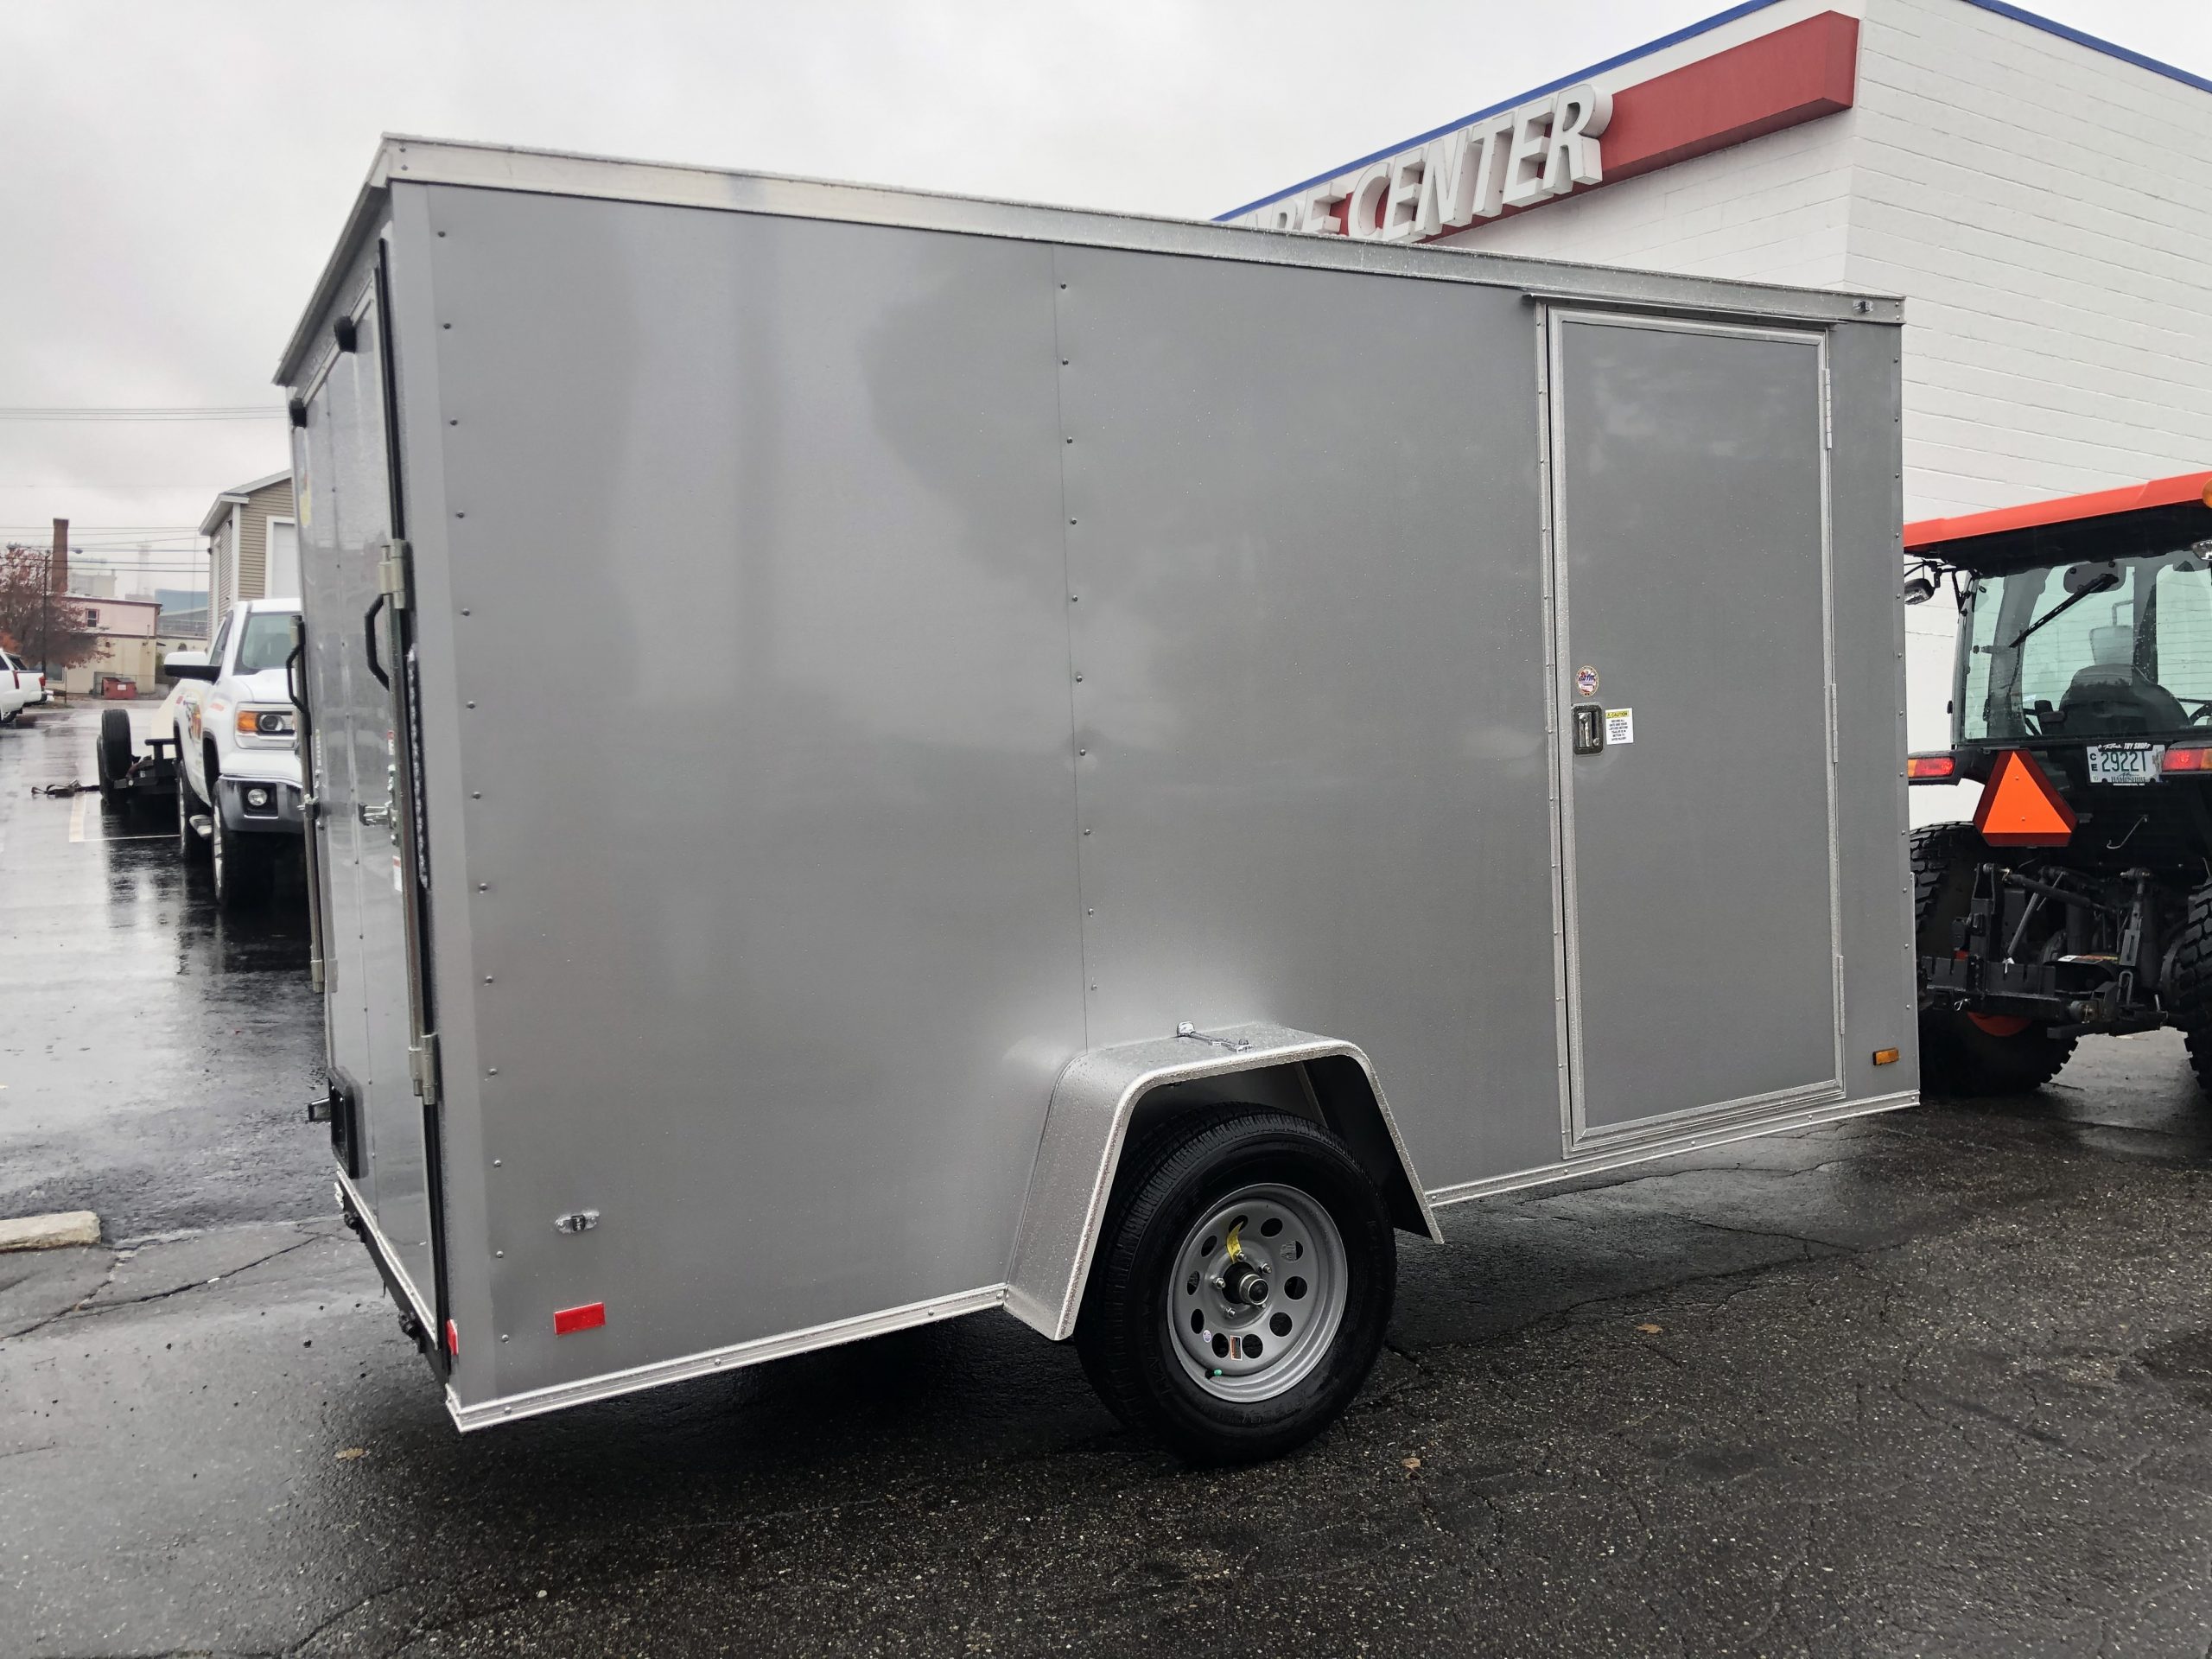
238, 798
21, 685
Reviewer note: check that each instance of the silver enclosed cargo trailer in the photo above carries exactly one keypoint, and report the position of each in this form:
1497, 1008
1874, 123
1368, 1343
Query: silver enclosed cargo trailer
878, 756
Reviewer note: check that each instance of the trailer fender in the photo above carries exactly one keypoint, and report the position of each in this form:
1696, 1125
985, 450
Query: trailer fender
1104, 1092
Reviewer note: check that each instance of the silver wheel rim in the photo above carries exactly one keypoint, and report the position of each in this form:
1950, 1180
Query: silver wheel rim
1232, 1347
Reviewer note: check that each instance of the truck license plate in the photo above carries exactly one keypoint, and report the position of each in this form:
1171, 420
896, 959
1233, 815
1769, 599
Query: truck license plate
2124, 763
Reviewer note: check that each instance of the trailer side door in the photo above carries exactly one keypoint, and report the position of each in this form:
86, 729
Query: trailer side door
1689, 570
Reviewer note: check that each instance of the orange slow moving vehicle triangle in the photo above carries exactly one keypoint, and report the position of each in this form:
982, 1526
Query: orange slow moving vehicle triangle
2019, 808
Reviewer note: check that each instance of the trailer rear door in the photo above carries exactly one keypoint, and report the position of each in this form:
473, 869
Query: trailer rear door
1690, 612
360, 659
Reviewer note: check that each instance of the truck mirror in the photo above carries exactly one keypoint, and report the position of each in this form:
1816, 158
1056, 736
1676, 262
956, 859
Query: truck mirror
1919, 588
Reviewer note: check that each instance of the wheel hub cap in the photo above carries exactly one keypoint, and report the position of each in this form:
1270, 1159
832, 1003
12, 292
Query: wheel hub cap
1260, 1288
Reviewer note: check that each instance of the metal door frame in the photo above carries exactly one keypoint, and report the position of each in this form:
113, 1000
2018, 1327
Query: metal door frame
1577, 1138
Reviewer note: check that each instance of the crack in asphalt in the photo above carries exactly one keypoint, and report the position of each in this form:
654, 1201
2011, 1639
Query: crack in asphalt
91, 1305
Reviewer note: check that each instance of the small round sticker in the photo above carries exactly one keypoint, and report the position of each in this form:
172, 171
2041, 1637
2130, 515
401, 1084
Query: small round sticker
1585, 681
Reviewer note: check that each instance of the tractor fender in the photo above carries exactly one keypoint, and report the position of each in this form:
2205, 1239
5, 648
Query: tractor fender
1104, 1091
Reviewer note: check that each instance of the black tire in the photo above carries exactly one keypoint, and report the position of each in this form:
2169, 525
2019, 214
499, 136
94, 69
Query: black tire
2190, 994
113, 754
1122, 1333
238, 863
1958, 1057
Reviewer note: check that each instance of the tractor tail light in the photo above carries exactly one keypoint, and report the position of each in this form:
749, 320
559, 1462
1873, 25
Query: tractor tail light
2188, 757
1931, 768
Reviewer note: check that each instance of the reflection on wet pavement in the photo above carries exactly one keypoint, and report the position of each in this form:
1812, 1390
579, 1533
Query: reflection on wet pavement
157, 1057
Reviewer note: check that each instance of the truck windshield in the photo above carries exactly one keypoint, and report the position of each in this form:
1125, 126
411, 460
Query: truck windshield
2119, 647
266, 642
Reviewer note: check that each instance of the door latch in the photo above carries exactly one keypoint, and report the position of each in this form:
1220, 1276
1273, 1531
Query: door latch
1589, 728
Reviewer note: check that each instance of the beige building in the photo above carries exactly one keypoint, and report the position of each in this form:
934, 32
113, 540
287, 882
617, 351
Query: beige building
253, 544
128, 647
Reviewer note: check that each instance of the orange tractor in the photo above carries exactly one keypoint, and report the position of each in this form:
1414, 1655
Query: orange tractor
2079, 899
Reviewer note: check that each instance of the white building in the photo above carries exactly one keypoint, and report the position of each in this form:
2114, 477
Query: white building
2041, 198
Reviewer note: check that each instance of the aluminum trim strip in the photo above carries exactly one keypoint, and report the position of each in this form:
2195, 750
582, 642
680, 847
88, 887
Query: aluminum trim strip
1596, 1163
514, 1407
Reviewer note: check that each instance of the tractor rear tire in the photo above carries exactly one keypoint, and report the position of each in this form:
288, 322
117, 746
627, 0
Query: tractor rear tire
1963, 1055
2191, 991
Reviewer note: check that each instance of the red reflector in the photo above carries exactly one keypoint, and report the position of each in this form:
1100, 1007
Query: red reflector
2189, 759
589, 1317
1918, 768
453, 1339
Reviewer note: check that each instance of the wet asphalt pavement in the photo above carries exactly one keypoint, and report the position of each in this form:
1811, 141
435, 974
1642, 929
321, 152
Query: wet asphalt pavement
1936, 1383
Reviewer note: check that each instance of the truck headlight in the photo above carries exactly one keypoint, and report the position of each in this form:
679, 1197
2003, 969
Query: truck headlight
265, 723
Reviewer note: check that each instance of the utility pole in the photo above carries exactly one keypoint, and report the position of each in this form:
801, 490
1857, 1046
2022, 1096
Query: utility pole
57, 581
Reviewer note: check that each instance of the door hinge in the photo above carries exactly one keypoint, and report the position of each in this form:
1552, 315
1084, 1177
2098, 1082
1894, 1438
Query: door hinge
1827, 422
396, 573
1835, 741
422, 1066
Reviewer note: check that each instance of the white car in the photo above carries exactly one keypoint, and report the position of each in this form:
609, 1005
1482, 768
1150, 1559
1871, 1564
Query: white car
21, 685
237, 761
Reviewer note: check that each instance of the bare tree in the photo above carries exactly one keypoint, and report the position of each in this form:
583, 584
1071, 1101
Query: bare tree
46, 630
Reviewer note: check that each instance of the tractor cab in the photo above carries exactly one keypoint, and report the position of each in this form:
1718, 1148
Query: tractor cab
2079, 899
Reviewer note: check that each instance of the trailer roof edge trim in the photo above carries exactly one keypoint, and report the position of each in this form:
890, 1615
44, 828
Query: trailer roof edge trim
545, 172
2177, 490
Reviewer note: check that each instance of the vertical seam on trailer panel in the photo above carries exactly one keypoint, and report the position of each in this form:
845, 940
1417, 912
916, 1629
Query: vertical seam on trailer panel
1068, 602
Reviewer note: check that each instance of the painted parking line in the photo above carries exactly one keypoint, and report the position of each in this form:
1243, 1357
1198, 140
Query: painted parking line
77, 819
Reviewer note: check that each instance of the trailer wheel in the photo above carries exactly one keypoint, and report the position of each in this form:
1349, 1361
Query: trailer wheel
2191, 990
1242, 1286
1969, 1055
112, 757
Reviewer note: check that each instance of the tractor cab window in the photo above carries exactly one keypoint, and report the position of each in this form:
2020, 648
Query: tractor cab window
2103, 648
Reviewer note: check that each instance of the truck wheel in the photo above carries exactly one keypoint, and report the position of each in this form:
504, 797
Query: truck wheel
1969, 1055
2191, 992
1241, 1287
239, 862
113, 756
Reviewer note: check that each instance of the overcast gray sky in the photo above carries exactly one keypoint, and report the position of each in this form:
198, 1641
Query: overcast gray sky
177, 171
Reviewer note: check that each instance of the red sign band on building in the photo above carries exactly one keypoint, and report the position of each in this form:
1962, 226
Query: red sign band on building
1580, 139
